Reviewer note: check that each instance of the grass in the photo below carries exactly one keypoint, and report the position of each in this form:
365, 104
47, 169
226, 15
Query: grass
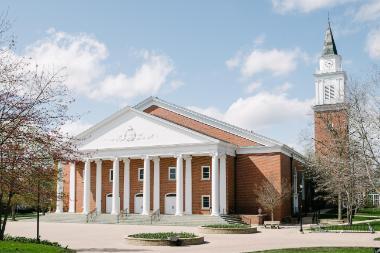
370, 211
227, 226
163, 235
320, 250
377, 239
24, 247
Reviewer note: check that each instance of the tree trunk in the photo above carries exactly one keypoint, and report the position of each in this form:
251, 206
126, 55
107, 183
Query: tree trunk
272, 215
6, 213
339, 206
14, 212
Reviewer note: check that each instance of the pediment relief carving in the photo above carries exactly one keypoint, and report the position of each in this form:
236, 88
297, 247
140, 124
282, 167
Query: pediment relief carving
130, 134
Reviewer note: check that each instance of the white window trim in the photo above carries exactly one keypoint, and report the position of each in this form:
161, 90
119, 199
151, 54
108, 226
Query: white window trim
138, 174
209, 202
110, 179
171, 179
209, 173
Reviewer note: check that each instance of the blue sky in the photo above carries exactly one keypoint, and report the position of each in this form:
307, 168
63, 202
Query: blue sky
250, 63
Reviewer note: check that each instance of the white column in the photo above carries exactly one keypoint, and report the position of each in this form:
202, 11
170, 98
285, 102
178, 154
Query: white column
215, 185
86, 187
115, 188
146, 187
127, 163
98, 186
179, 186
156, 184
223, 185
59, 208
72, 188
188, 189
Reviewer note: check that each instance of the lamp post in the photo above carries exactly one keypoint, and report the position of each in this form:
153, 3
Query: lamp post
300, 211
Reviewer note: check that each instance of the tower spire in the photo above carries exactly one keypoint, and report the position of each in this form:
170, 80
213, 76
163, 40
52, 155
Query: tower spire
329, 46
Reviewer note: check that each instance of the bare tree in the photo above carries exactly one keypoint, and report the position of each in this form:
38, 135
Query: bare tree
34, 106
269, 197
345, 161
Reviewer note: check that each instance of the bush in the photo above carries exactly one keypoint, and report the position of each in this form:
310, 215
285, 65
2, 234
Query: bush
227, 226
163, 235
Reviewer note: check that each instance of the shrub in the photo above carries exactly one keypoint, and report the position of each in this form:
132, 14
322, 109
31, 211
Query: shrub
163, 235
227, 226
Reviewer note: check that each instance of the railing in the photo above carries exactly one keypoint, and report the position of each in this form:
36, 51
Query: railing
90, 217
363, 227
123, 213
155, 216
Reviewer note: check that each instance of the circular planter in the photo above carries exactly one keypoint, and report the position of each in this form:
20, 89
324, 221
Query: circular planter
165, 242
209, 230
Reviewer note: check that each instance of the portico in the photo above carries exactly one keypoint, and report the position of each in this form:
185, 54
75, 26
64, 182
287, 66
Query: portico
151, 175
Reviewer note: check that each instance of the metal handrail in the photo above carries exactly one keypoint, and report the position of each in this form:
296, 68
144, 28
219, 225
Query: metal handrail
122, 213
91, 215
155, 216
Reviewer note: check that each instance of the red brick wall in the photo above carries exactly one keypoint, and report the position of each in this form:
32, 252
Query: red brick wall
199, 127
200, 187
79, 167
106, 184
323, 138
251, 170
230, 184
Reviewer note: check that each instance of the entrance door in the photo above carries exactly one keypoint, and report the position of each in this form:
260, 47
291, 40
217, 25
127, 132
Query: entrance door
109, 203
138, 203
170, 203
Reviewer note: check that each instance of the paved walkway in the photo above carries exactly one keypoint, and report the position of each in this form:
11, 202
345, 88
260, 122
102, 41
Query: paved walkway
110, 238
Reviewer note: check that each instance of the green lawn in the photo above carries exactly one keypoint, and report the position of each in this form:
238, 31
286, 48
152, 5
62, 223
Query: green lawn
370, 211
355, 227
333, 214
321, 250
21, 247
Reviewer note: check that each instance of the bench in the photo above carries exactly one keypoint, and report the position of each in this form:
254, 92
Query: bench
272, 224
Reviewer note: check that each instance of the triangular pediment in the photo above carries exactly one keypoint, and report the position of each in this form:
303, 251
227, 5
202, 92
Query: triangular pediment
132, 128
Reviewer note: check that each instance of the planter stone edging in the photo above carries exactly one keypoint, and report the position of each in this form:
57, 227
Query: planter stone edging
164, 242
208, 230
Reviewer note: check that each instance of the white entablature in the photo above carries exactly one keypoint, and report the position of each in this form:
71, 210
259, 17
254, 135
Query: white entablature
132, 133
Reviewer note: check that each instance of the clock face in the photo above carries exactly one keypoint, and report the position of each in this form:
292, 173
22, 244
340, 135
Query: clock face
329, 64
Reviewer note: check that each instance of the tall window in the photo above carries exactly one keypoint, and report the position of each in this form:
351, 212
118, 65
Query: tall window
205, 172
205, 201
172, 173
141, 174
110, 176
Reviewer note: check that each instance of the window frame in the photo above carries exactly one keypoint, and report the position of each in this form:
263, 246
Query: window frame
209, 202
209, 172
110, 175
138, 174
175, 171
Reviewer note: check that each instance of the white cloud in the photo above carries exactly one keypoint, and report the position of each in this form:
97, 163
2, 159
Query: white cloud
83, 59
262, 110
253, 87
283, 88
276, 61
209, 111
373, 44
235, 61
147, 79
283, 6
74, 128
369, 11
80, 56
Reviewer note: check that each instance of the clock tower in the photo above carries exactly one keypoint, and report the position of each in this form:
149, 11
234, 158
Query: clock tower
330, 94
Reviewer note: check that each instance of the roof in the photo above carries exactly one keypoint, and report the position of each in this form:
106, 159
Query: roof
265, 141
329, 47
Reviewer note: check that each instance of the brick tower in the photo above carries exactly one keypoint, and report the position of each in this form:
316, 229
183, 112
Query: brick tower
330, 96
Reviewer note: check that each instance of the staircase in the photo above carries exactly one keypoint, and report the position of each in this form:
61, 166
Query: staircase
232, 219
135, 219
